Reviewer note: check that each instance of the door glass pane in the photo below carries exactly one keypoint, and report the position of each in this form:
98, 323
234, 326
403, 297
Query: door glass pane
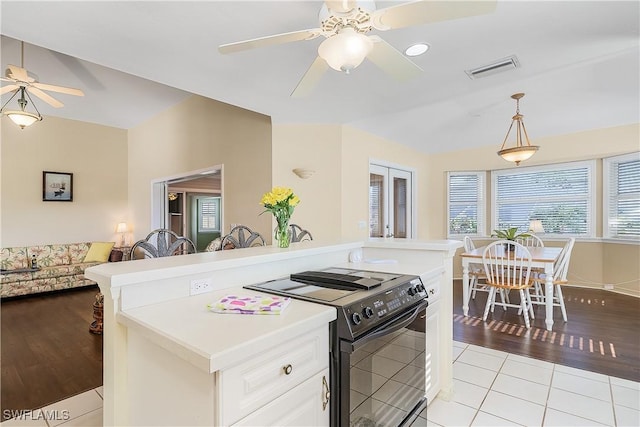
376, 205
400, 207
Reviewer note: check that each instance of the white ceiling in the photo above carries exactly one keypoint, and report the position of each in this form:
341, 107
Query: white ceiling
580, 66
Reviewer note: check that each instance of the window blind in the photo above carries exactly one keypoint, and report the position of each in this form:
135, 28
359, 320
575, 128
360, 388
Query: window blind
622, 196
560, 196
466, 203
376, 203
209, 216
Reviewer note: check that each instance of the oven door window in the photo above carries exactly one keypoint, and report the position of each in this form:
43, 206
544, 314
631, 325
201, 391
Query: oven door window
387, 377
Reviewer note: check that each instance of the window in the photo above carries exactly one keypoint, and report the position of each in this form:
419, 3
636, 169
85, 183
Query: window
208, 214
621, 204
560, 196
466, 203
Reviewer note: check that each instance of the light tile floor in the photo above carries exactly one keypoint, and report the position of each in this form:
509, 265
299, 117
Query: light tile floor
491, 388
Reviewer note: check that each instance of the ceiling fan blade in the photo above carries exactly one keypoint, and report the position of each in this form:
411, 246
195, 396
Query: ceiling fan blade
8, 88
18, 73
426, 11
392, 61
45, 97
310, 78
59, 89
341, 5
270, 40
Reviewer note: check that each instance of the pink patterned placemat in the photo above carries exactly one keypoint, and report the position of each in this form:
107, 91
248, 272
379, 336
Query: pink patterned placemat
252, 304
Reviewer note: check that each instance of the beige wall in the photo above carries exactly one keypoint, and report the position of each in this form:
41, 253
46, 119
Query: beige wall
97, 157
358, 149
593, 264
315, 147
195, 134
335, 200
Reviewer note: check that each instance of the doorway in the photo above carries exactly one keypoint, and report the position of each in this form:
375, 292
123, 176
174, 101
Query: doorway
190, 205
390, 202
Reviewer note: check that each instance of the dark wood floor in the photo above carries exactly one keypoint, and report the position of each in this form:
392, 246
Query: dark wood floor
47, 351
601, 335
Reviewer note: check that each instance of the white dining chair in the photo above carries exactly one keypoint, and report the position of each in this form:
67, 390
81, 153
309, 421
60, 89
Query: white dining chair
534, 242
476, 273
507, 270
560, 271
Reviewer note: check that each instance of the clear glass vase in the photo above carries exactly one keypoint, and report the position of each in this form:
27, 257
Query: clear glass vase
282, 234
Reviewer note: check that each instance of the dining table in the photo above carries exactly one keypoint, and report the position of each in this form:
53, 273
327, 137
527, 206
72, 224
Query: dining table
542, 258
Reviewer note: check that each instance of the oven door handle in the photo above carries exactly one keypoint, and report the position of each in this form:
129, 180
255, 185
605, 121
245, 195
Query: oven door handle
385, 329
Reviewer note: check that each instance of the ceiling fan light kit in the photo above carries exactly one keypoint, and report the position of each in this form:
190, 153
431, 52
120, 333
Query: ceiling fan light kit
25, 82
520, 152
22, 117
346, 50
345, 23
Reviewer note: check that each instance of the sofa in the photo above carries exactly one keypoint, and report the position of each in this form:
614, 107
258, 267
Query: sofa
59, 266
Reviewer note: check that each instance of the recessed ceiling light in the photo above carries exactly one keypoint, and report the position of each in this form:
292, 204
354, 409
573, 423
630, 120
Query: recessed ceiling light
416, 49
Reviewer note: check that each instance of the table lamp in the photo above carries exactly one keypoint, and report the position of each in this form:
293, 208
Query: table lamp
535, 226
122, 229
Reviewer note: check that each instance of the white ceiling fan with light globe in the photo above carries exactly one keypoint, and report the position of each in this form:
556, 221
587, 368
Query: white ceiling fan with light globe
345, 24
24, 82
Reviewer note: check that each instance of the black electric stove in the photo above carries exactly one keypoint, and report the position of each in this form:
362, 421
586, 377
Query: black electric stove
373, 312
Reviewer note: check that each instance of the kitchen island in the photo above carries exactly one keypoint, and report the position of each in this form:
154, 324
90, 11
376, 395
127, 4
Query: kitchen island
164, 349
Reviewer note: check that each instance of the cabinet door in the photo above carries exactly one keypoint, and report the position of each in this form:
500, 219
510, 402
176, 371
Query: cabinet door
432, 351
304, 405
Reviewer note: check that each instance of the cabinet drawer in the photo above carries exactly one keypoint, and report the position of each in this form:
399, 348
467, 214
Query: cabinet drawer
305, 405
259, 380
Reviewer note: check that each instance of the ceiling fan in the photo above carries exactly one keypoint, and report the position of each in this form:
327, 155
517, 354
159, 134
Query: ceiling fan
24, 82
345, 23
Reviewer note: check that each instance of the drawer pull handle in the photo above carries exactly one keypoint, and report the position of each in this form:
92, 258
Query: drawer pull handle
327, 393
287, 369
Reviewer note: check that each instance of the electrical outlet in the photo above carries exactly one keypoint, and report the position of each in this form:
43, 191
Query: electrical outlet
608, 286
200, 286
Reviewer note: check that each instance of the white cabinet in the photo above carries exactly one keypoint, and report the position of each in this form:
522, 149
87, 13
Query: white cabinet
304, 405
434, 342
251, 387
286, 385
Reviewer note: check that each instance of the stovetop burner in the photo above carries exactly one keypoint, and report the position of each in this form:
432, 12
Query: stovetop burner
364, 299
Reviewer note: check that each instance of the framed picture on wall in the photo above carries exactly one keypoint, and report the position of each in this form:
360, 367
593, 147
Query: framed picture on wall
57, 186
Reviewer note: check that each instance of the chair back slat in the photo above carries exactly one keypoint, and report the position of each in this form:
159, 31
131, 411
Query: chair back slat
531, 241
505, 268
161, 243
242, 237
561, 268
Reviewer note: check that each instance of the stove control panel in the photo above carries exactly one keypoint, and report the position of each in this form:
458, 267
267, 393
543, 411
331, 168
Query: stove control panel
377, 307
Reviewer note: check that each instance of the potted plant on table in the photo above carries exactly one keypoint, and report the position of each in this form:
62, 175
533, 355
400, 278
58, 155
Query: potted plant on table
511, 234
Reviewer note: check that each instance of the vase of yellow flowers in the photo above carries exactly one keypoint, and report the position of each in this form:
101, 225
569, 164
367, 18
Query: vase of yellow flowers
281, 202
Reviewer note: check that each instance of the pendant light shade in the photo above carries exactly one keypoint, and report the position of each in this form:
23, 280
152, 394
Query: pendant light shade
345, 50
22, 117
521, 150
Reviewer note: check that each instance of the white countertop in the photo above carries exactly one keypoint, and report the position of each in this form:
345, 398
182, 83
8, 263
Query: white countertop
213, 341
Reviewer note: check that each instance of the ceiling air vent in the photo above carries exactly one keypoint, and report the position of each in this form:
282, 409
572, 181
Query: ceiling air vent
505, 64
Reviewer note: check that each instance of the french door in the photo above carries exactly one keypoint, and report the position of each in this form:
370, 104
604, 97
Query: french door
390, 195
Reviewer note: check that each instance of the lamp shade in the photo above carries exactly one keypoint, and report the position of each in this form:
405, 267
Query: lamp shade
121, 228
22, 118
518, 154
345, 50
535, 226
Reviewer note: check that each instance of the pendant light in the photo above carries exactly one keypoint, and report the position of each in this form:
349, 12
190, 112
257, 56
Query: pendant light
22, 117
520, 151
